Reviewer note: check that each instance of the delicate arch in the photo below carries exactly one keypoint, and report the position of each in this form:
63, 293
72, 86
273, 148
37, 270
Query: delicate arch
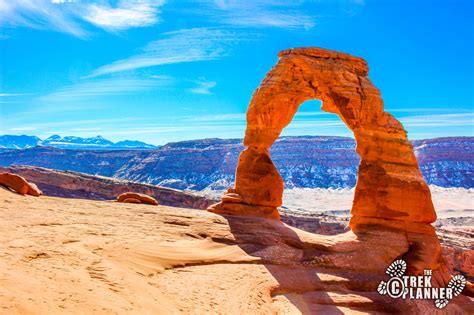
389, 185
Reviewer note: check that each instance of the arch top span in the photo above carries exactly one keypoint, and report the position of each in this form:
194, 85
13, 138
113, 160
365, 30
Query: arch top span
389, 186
360, 65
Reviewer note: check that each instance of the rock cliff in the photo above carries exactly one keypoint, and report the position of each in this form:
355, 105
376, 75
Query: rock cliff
76, 185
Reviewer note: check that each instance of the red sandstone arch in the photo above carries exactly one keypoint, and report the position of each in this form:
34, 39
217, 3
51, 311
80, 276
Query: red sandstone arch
389, 186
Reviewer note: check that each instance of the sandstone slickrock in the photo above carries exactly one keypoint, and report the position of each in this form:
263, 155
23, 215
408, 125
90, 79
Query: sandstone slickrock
77, 185
131, 197
124, 258
390, 194
19, 184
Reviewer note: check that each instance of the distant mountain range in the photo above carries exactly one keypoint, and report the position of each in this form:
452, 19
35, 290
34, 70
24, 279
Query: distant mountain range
25, 142
306, 161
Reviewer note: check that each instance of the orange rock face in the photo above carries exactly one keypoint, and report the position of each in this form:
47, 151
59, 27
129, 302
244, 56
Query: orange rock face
389, 186
19, 184
131, 200
130, 197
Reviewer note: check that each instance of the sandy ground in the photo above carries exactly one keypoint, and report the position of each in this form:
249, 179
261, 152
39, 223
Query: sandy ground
79, 256
72, 256
97, 257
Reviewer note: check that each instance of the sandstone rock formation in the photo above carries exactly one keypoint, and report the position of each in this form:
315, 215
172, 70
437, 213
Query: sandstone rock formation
131, 197
77, 185
390, 194
389, 185
19, 184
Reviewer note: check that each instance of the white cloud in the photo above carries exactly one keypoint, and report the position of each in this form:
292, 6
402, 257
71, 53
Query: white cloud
187, 45
135, 13
41, 14
203, 86
9, 95
68, 16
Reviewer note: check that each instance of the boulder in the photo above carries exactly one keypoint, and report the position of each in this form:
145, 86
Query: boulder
131, 197
131, 200
19, 184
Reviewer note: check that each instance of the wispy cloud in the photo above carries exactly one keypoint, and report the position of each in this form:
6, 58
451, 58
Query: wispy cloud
186, 45
414, 110
41, 14
276, 14
288, 20
203, 86
68, 16
241, 117
105, 87
22, 129
439, 120
62, 1
10, 95
238, 117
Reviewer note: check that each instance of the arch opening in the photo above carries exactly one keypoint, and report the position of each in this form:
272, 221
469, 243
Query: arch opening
315, 155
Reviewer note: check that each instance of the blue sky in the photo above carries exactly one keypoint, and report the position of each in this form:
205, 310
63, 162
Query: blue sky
161, 71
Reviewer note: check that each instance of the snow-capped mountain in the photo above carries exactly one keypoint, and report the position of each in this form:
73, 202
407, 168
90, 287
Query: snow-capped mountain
18, 142
76, 142
69, 142
209, 164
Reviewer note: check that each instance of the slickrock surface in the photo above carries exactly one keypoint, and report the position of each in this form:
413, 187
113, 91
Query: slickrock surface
19, 184
97, 257
389, 186
77, 185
